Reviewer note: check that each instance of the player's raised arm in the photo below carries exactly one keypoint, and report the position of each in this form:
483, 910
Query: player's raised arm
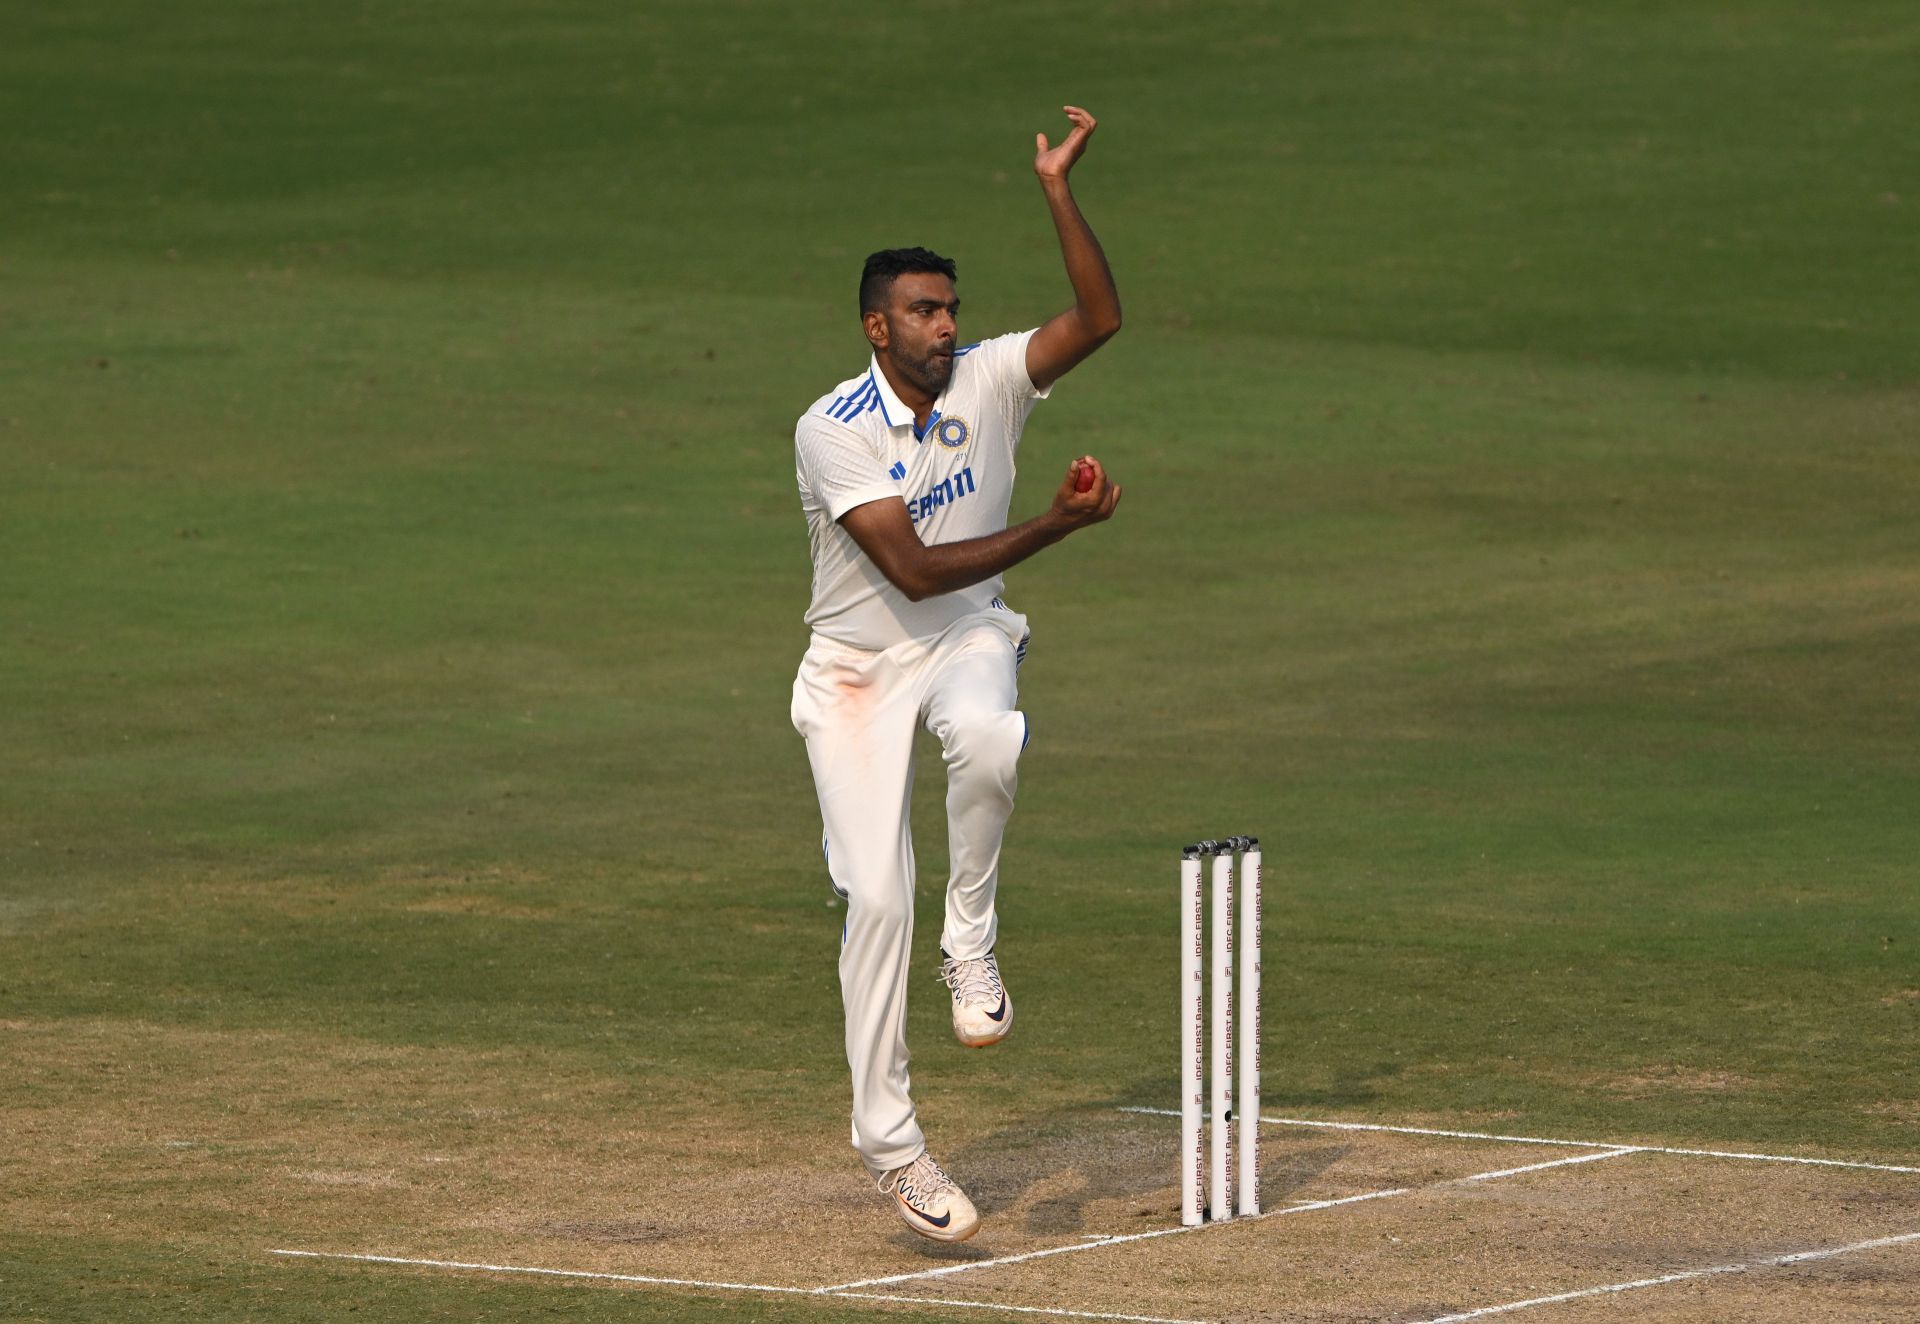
886, 534
1068, 338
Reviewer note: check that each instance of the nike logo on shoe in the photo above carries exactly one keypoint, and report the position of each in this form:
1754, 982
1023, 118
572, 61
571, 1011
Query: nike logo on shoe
999, 1012
918, 1189
941, 1221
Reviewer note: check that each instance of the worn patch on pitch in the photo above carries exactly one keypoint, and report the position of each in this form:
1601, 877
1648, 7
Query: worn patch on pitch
243, 1140
1451, 1244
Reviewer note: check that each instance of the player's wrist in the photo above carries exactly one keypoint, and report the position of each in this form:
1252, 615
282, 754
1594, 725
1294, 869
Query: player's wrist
1057, 523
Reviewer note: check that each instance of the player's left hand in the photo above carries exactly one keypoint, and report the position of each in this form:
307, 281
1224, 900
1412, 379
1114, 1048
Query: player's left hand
1054, 162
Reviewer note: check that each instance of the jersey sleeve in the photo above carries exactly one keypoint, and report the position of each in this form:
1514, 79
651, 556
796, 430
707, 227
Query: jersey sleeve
836, 469
1003, 361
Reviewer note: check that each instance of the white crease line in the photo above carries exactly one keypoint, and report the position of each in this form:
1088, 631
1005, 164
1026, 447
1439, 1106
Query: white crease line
1536, 1140
550, 1273
1550, 1163
839, 1289
1787, 1158
1020, 1310
727, 1287
1302, 1208
1769, 1263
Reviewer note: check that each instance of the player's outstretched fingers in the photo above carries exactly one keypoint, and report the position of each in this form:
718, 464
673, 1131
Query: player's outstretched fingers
1054, 162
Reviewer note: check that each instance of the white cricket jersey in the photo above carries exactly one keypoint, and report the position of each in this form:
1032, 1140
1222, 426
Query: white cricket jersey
858, 443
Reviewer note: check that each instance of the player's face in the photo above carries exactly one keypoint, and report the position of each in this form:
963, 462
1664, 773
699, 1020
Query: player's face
920, 327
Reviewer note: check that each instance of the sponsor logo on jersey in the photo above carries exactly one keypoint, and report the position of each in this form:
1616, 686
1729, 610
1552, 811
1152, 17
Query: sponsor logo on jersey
943, 493
898, 471
952, 432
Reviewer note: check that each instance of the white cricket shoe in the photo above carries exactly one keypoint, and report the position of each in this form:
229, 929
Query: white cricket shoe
982, 1011
929, 1202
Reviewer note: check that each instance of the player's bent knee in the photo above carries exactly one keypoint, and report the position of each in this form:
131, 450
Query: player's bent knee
988, 746
880, 907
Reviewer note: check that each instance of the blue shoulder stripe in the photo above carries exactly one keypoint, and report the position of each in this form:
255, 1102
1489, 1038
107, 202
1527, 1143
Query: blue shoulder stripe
842, 402
863, 399
967, 349
843, 405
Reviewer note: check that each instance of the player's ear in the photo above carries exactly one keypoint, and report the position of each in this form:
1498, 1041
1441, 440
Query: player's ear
876, 326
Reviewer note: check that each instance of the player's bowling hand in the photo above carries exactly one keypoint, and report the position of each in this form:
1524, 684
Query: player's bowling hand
1086, 494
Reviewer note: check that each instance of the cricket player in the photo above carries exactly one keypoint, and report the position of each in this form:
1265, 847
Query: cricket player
906, 475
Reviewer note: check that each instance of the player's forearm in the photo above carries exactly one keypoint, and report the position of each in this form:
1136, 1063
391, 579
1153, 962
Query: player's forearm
1096, 301
949, 567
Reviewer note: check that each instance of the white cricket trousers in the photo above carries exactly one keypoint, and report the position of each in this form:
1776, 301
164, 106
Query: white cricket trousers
858, 710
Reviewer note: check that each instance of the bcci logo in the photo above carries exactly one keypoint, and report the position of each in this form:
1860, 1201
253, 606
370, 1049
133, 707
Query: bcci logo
951, 432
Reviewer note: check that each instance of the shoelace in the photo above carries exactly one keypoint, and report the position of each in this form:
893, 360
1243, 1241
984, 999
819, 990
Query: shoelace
976, 983
918, 1182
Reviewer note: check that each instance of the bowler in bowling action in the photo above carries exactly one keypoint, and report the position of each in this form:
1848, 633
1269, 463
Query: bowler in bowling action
906, 476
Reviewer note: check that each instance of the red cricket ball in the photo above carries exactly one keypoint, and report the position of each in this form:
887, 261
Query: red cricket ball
1083, 481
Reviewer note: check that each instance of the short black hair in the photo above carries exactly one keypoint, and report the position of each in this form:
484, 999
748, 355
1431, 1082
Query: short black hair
888, 263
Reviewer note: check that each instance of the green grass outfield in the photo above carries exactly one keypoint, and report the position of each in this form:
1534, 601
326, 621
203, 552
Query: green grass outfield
401, 571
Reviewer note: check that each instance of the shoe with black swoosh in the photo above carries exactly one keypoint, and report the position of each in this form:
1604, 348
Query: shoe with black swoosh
982, 1011
929, 1202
